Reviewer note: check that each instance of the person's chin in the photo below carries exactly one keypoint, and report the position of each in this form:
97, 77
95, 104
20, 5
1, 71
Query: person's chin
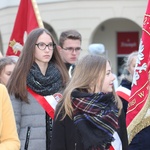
109, 90
71, 62
46, 60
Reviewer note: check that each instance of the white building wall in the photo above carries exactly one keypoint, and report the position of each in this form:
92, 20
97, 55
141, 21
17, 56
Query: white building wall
82, 15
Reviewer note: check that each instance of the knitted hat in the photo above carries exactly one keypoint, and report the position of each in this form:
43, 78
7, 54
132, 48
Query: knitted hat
97, 49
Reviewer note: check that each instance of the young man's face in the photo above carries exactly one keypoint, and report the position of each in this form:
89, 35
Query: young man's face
70, 51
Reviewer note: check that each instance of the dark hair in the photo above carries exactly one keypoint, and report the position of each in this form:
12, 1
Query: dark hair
69, 34
17, 82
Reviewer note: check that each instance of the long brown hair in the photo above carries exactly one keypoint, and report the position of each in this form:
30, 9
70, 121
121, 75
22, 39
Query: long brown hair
87, 71
17, 82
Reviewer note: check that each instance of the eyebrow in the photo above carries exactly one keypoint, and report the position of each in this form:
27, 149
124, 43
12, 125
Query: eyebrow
109, 70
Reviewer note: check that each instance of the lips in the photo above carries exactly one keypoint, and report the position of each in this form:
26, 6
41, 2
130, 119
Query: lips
46, 56
74, 58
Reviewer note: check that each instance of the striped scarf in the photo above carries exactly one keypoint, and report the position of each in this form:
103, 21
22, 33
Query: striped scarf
96, 118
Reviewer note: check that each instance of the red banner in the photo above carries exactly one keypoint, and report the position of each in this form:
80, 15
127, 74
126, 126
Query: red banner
27, 19
138, 102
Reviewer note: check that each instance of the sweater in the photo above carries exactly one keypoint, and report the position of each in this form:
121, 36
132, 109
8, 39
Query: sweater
8, 132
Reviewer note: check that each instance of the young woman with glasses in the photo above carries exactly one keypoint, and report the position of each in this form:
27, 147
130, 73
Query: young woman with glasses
39, 74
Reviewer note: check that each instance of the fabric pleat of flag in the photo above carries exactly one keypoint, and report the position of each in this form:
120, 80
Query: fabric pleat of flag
138, 113
27, 19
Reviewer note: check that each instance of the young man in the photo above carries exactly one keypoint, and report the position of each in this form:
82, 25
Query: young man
70, 48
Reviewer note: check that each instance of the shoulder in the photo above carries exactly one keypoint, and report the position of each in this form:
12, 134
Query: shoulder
4, 96
3, 88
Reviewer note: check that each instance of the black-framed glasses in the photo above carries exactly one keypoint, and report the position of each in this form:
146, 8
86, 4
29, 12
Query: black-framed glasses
42, 46
72, 49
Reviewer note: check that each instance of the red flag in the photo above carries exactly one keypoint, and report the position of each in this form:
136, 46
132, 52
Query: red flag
137, 112
27, 19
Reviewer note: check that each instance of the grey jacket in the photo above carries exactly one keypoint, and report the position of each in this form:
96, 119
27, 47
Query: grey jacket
31, 123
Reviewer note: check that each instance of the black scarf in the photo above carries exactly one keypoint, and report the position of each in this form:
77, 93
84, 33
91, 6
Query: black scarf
96, 118
44, 85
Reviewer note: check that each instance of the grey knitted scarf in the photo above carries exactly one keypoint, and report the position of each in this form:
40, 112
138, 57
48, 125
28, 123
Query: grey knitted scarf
45, 85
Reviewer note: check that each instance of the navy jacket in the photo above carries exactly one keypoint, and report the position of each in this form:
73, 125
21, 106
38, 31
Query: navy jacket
141, 141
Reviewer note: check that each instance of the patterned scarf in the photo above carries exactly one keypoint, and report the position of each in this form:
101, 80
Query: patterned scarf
44, 85
96, 118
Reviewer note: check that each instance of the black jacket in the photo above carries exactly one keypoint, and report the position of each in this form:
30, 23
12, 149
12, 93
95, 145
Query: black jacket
65, 136
127, 84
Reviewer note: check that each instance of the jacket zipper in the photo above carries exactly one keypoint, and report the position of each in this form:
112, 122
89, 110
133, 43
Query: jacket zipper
75, 146
27, 138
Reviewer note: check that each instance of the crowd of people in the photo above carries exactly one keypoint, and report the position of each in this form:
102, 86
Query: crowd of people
52, 100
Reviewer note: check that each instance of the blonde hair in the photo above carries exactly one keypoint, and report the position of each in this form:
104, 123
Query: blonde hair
87, 71
128, 60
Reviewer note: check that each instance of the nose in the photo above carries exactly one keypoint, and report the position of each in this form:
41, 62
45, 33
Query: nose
47, 49
74, 51
113, 76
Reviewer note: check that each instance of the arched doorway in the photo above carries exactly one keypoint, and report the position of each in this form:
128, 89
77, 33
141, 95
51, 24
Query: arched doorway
107, 32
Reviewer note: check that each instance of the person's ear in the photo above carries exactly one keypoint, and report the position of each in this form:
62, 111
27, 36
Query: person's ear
59, 48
